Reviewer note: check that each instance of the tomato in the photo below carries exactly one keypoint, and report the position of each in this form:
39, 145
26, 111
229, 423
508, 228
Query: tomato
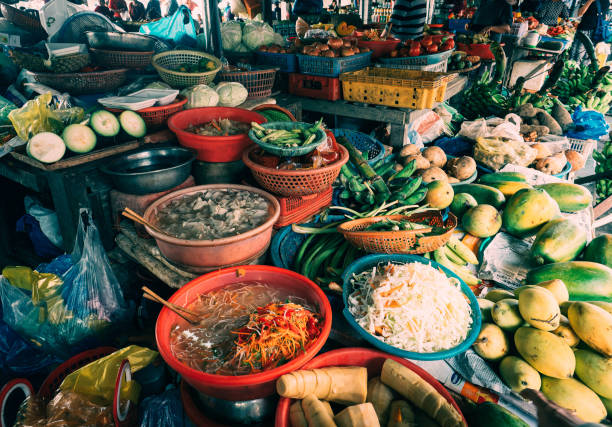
447, 45
427, 41
432, 48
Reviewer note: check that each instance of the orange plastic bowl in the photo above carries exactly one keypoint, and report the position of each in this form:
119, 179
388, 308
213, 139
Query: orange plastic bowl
241, 387
379, 48
213, 148
372, 360
205, 255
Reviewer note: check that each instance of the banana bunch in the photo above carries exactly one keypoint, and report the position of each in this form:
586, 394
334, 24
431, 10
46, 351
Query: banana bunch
579, 86
484, 99
455, 256
604, 163
594, 100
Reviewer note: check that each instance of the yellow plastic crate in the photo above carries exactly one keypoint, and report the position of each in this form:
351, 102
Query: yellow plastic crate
395, 87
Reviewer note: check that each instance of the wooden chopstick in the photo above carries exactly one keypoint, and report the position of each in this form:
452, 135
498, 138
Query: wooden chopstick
152, 295
175, 309
130, 214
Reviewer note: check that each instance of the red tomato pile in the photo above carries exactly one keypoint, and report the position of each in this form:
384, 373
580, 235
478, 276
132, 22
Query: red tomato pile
428, 45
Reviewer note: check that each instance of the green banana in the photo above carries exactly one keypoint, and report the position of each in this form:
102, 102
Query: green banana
454, 257
463, 273
461, 250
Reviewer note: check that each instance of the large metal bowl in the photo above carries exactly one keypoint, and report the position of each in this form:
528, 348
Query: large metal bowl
119, 41
150, 170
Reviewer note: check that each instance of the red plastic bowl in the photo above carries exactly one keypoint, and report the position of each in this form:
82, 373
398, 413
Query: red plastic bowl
379, 48
213, 148
241, 387
371, 359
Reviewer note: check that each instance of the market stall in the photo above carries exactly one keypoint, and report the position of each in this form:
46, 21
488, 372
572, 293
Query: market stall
303, 225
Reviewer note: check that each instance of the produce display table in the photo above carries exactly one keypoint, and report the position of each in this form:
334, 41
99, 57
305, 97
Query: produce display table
518, 51
397, 117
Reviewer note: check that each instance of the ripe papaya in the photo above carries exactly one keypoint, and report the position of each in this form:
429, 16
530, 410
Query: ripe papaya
527, 210
559, 240
600, 250
484, 194
502, 177
508, 188
570, 197
585, 280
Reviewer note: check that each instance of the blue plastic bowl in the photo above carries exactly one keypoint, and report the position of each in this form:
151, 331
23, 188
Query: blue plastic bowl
289, 151
370, 261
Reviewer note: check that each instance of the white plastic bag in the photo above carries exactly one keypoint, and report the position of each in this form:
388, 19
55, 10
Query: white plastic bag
508, 127
428, 125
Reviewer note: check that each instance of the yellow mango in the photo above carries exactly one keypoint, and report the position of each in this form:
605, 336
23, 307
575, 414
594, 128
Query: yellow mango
593, 325
546, 352
575, 396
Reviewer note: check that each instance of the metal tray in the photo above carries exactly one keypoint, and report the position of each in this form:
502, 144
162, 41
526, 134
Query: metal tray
150, 170
119, 41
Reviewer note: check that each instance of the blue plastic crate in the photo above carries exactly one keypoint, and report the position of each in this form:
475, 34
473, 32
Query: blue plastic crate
332, 67
363, 142
286, 62
419, 60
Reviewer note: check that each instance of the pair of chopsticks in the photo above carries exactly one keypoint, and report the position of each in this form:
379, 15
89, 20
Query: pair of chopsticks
130, 214
188, 315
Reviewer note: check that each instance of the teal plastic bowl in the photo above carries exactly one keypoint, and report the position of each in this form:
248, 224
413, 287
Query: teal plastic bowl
370, 261
289, 151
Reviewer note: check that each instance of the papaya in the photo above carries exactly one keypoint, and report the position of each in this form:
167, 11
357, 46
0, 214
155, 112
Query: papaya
570, 197
502, 177
439, 194
508, 188
539, 308
575, 396
593, 325
489, 414
600, 250
484, 194
518, 374
557, 287
482, 221
585, 280
595, 371
461, 203
559, 240
527, 210
547, 353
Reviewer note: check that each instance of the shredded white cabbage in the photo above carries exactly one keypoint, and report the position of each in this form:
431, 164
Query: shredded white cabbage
411, 306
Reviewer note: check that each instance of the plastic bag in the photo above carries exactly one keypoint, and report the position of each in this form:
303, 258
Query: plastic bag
66, 409
38, 116
163, 410
47, 219
179, 28
18, 358
429, 126
497, 152
508, 127
69, 314
6, 107
97, 380
588, 124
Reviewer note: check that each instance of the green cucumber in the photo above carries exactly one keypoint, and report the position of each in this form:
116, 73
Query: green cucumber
104, 123
570, 197
46, 147
484, 194
600, 250
133, 124
585, 280
79, 138
559, 240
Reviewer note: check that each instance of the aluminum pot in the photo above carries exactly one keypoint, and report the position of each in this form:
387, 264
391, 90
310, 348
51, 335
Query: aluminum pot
219, 252
119, 41
150, 170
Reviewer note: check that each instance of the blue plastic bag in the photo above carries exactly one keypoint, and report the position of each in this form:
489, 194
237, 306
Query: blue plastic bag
81, 311
588, 124
179, 28
43, 247
18, 358
163, 410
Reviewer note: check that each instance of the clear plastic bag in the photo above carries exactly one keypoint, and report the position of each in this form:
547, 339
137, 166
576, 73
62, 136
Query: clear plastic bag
66, 315
163, 410
496, 152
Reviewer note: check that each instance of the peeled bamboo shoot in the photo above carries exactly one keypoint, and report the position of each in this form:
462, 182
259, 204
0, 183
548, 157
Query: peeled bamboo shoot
401, 414
296, 415
362, 415
316, 412
380, 396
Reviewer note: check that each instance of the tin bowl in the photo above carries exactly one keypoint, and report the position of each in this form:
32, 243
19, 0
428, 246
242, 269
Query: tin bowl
119, 41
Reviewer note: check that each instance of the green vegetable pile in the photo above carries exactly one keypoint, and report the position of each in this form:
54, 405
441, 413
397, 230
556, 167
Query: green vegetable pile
604, 163
287, 138
366, 187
